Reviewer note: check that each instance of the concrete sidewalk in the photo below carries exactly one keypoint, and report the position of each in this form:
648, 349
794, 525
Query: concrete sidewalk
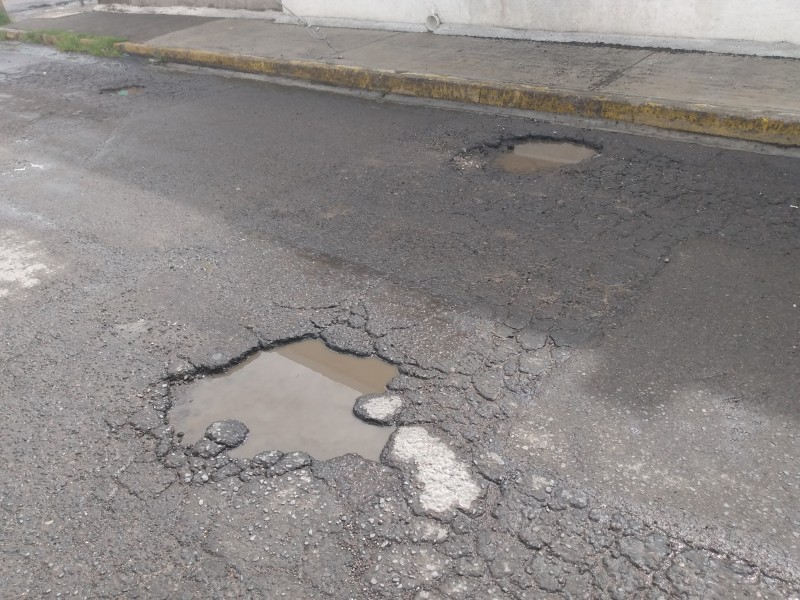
740, 97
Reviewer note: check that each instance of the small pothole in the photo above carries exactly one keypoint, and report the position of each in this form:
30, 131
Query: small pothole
540, 155
296, 397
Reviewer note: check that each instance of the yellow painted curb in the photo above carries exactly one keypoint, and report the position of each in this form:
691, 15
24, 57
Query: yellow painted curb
33, 36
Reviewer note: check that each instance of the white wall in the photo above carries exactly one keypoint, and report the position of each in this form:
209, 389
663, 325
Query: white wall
259, 6
748, 20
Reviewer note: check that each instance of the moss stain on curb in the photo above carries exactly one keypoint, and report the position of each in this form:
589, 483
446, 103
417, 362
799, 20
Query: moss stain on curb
69, 41
4, 18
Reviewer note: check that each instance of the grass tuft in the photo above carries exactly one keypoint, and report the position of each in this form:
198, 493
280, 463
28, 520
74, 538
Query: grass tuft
68, 41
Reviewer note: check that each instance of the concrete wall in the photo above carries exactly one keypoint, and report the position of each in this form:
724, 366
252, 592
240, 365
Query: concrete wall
256, 5
747, 20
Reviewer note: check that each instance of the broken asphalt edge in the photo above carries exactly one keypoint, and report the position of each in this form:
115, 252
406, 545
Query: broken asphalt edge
687, 118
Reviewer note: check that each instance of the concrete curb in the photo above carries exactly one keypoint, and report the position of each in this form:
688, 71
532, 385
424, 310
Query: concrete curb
688, 118
38, 37
19, 35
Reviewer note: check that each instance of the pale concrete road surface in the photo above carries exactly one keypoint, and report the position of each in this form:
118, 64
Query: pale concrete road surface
599, 364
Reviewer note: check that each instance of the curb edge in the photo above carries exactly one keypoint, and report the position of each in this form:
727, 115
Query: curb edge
687, 119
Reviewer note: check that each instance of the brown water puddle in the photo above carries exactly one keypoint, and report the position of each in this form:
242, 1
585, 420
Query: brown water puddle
534, 157
297, 397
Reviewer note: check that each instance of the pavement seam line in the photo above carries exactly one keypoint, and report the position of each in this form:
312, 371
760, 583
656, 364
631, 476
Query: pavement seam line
616, 75
364, 45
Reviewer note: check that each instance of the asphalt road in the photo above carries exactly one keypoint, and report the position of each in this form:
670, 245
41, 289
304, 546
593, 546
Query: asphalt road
599, 364
20, 9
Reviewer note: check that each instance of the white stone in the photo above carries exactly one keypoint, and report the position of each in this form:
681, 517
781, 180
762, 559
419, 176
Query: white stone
446, 481
382, 408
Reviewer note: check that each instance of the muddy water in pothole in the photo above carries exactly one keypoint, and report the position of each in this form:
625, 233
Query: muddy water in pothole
533, 157
296, 397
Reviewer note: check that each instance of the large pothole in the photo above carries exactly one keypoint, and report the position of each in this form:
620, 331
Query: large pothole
297, 397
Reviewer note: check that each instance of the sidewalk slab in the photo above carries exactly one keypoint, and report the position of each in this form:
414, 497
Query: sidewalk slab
735, 82
505, 61
741, 97
262, 38
566, 66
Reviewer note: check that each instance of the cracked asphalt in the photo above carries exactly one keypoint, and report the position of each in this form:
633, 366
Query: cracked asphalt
598, 365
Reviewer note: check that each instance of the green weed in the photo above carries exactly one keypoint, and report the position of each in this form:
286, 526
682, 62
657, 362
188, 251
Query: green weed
68, 41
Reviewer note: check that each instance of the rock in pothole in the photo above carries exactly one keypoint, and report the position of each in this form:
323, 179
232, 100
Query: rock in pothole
228, 433
381, 409
267, 458
290, 462
207, 448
